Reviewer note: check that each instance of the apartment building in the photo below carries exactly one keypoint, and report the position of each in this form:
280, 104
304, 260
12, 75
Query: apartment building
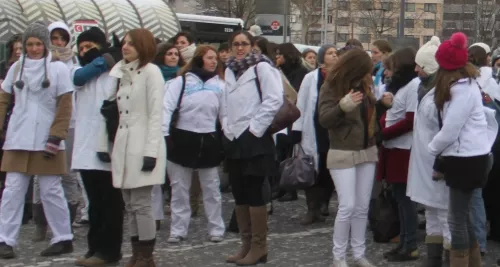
368, 21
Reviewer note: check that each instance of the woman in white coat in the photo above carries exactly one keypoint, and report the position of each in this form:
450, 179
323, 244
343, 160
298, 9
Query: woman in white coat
194, 142
139, 152
313, 137
253, 96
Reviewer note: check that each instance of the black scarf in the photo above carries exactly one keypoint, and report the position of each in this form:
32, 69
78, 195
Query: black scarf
203, 74
401, 77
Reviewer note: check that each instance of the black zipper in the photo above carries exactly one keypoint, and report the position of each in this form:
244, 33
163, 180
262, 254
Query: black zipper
365, 124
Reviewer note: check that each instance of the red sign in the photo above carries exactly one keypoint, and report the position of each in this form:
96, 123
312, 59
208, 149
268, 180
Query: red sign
275, 25
80, 26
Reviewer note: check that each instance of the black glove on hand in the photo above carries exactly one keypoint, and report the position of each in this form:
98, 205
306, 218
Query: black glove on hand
112, 55
148, 164
296, 137
51, 147
89, 56
104, 157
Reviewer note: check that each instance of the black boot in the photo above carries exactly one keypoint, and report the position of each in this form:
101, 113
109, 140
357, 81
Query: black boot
59, 248
289, 196
6, 251
393, 251
28, 213
434, 253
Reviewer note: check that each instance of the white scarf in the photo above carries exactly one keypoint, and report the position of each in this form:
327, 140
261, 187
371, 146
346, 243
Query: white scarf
188, 52
33, 72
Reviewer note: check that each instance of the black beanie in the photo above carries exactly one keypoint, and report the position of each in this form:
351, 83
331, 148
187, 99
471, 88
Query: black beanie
94, 35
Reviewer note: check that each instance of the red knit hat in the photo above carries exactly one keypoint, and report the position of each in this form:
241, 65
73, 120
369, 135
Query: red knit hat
453, 54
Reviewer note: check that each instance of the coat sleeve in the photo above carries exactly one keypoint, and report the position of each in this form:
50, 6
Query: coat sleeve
172, 91
222, 106
330, 113
154, 96
64, 103
302, 99
272, 99
457, 114
86, 73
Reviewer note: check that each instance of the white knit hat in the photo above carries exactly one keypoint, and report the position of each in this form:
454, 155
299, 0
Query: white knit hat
483, 46
425, 57
255, 30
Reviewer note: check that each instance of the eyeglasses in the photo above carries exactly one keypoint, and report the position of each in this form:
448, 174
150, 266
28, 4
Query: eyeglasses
243, 44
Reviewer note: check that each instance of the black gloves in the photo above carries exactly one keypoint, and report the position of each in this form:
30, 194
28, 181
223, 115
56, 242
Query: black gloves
112, 55
104, 157
438, 169
296, 137
89, 56
51, 147
148, 164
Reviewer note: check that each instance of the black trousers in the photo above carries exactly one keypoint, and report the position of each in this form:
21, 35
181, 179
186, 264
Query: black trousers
250, 187
106, 209
324, 182
492, 198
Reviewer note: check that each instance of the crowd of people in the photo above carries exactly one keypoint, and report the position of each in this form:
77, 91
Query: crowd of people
137, 124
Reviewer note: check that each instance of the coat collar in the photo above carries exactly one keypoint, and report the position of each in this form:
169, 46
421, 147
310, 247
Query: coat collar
121, 68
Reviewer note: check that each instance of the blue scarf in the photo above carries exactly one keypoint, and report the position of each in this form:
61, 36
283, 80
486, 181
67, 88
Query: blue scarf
379, 73
168, 72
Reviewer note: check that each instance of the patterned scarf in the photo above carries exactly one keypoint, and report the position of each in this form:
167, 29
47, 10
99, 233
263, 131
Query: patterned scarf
240, 66
63, 54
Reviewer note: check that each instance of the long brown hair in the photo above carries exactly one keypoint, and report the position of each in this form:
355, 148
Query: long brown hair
145, 44
446, 78
349, 72
197, 60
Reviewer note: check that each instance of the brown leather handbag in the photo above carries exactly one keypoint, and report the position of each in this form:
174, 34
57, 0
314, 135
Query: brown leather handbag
287, 114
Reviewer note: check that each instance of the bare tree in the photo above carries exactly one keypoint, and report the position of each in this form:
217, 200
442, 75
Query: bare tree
487, 17
309, 15
244, 9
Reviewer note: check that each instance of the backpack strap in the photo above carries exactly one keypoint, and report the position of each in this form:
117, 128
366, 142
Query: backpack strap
179, 100
257, 81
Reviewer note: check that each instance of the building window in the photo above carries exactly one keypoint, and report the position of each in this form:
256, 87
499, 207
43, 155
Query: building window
343, 5
366, 5
410, 7
387, 6
409, 23
429, 23
364, 22
387, 22
430, 8
468, 25
343, 21
342, 37
330, 19
450, 25
427, 38
364, 38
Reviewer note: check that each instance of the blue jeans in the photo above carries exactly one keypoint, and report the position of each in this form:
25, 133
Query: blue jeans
408, 218
459, 219
478, 217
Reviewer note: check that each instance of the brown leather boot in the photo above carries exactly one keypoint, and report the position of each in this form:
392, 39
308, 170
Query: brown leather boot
459, 258
194, 194
134, 241
313, 214
475, 256
145, 254
258, 246
243, 219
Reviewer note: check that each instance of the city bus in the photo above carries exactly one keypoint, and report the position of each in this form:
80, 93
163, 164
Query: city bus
209, 29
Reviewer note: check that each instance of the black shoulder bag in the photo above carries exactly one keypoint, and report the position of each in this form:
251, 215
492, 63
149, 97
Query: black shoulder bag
109, 111
175, 115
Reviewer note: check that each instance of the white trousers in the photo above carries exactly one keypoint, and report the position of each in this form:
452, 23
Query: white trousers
54, 205
180, 180
157, 205
354, 188
84, 212
436, 224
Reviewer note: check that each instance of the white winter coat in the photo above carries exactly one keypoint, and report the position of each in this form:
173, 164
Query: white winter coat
243, 107
307, 103
488, 84
421, 188
88, 102
139, 133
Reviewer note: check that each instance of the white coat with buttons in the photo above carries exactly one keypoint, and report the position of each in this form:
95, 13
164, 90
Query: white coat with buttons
139, 132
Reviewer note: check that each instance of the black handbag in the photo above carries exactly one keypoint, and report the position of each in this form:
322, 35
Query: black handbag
109, 111
383, 216
175, 115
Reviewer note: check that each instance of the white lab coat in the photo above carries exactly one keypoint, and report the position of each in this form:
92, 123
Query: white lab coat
421, 188
139, 133
35, 108
88, 102
242, 107
307, 103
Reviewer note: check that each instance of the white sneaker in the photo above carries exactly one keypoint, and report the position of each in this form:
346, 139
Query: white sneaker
175, 239
363, 262
340, 263
216, 239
